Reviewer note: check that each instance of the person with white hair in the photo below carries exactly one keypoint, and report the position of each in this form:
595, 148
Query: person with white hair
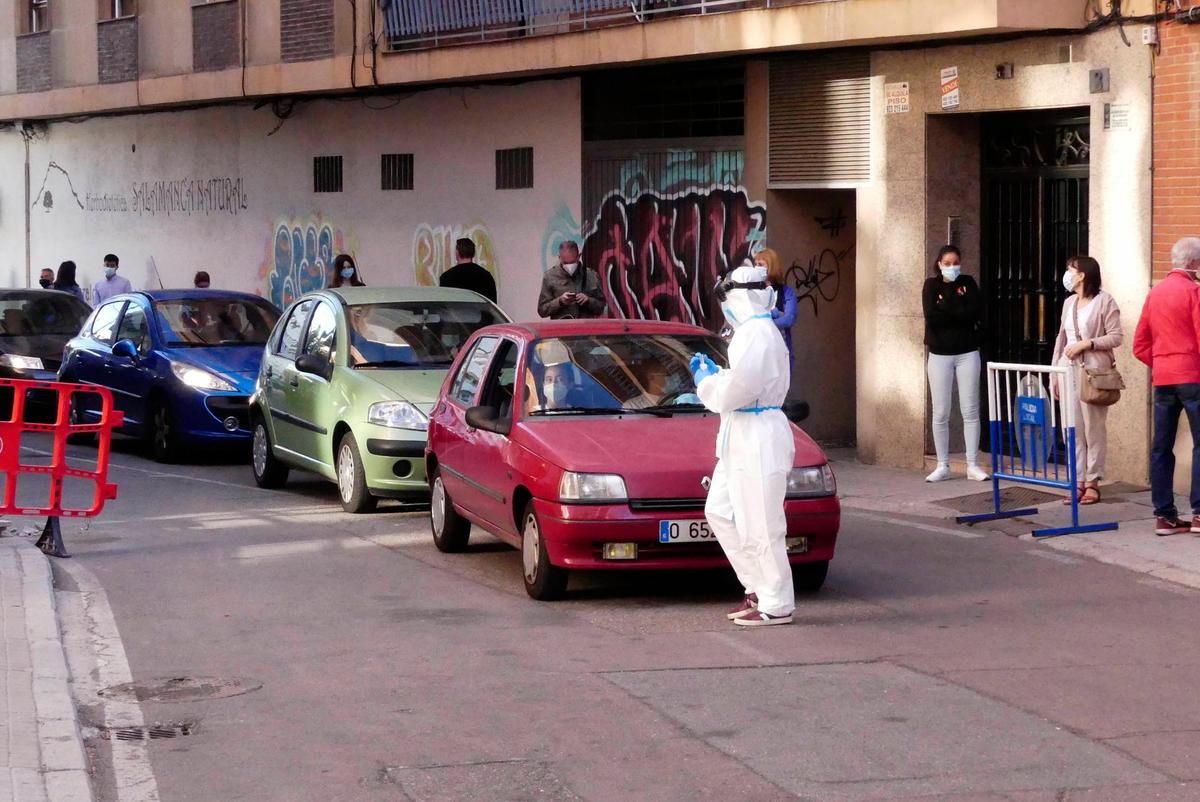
1168, 340
755, 449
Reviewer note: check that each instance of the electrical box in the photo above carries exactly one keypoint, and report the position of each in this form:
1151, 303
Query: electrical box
1098, 81
1004, 71
1149, 35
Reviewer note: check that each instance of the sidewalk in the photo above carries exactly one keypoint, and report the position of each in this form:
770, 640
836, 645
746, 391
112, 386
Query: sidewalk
1134, 545
41, 751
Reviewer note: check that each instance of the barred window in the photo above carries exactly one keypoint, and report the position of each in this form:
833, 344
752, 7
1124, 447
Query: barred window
514, 168
327, 174
396, 171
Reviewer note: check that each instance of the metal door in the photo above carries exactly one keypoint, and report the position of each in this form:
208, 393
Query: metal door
1034, 217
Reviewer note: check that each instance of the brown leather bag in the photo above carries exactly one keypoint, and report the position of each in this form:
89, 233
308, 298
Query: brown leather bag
1099, 386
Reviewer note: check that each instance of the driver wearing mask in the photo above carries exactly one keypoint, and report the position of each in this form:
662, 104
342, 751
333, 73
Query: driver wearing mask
570, 290
557, 385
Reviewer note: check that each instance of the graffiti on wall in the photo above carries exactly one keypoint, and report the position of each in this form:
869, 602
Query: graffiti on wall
658, 257
679, 171
433, 250
819, 279
560, 228
300, 255
189, 196
44, 197
833, 223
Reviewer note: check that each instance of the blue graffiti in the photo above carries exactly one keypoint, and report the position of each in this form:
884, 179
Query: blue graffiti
302, 257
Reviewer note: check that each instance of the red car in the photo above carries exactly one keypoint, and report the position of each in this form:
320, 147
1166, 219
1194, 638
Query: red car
583, 444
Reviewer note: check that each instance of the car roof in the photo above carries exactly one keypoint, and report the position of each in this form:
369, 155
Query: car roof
194, 294
376, 295
573, 328
31, 292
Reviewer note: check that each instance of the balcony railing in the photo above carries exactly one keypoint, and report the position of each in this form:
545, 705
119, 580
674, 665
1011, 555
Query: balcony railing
418, 24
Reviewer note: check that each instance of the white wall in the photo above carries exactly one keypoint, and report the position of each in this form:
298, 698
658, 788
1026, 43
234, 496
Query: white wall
102, 176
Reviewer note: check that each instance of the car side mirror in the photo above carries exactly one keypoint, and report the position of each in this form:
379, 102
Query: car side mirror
488, 419
126, 350
796, 411
315, 365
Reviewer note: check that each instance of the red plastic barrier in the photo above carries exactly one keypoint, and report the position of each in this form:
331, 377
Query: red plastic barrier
57, 398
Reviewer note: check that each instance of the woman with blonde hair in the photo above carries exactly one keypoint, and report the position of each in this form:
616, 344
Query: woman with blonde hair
784, 311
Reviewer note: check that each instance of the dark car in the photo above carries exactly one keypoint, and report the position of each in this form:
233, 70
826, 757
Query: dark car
35, 326
181, 364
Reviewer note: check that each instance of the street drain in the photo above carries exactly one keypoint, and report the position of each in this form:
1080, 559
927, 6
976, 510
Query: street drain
181, 689
154, 733
1010, 498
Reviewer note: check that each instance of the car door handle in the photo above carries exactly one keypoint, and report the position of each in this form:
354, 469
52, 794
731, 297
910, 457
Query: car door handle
295, 382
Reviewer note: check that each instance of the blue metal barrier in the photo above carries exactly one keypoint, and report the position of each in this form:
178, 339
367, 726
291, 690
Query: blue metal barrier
1033, 438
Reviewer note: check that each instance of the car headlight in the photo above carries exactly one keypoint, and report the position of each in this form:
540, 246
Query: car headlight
591, 487
397, 415
21, 362
200, 379
811, 482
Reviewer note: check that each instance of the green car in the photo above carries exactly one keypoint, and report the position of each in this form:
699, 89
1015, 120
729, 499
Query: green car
347, 383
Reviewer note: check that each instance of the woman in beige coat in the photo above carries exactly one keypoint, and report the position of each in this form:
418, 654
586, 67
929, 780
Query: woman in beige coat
1090, 332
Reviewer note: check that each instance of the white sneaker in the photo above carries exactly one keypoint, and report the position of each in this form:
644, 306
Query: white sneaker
977, 474
940, 475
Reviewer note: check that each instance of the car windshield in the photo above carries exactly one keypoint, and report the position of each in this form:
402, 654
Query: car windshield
215, 321
414, 334
610, 373
41, 314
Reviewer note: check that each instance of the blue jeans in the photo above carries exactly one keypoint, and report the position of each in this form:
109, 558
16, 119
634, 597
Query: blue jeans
1169, 401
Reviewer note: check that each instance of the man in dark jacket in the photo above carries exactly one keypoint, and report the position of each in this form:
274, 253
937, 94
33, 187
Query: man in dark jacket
466, 275
569, 289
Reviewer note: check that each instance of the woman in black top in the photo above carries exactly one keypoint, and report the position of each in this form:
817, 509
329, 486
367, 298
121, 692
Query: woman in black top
952, 306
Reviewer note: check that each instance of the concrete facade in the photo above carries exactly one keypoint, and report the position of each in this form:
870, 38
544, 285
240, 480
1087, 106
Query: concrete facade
925, 167
167, 187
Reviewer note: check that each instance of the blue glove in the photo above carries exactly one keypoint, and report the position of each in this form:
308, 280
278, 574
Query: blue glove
702, 367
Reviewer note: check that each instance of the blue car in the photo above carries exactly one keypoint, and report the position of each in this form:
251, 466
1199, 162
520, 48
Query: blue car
181, 364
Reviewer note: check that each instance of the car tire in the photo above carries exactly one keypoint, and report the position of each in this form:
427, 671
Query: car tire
160, 431
451, 531
543, 581
809, 577
352, 477
73, 415
269, 472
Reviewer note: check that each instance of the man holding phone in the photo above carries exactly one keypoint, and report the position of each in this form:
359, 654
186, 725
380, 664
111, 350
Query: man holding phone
570, 290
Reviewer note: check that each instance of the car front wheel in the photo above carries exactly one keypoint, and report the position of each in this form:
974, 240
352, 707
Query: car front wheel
352, 477
450, 530
160, 432
543, 581
269, 473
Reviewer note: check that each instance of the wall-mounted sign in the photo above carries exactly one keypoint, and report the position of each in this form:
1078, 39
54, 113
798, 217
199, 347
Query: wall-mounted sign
950, 95
896, 97
1116, 117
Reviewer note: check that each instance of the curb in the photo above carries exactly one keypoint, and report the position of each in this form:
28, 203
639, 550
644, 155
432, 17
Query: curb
63, 763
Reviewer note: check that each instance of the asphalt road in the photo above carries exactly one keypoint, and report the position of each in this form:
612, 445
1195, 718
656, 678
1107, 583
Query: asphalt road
293, 652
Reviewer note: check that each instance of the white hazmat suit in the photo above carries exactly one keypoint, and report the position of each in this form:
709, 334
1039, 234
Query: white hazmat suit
755, 448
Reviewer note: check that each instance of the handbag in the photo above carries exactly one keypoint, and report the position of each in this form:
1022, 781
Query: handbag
1099, 386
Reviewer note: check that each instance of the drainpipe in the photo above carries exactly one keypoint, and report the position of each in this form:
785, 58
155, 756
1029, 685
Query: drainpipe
27, 134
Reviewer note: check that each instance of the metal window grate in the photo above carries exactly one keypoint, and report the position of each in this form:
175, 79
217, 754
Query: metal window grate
327, 174
514, 168
396, 171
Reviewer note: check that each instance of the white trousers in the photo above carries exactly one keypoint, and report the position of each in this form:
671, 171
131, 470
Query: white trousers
745, 511
943, 372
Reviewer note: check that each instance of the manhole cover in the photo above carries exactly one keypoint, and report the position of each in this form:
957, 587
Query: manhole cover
1010, 498
181, 689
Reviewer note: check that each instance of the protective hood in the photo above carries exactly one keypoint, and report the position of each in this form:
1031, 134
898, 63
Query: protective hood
742, 305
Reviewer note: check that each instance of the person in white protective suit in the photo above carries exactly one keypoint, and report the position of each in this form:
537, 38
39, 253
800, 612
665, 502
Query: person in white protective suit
755, 449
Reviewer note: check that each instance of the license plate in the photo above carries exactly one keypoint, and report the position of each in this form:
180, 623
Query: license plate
684, 532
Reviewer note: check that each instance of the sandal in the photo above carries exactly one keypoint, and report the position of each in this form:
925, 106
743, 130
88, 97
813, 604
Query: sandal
1090, 495
1079, 491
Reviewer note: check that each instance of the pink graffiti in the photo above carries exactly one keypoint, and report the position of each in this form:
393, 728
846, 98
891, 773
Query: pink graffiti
658, 258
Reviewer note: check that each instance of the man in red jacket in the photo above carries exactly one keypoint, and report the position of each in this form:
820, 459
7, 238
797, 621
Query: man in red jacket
1168, 340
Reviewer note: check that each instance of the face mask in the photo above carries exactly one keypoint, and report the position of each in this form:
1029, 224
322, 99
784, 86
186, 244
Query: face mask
951, 273
347, 272
555, 393
109, 272
45, 282
1069, 281
570, 267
